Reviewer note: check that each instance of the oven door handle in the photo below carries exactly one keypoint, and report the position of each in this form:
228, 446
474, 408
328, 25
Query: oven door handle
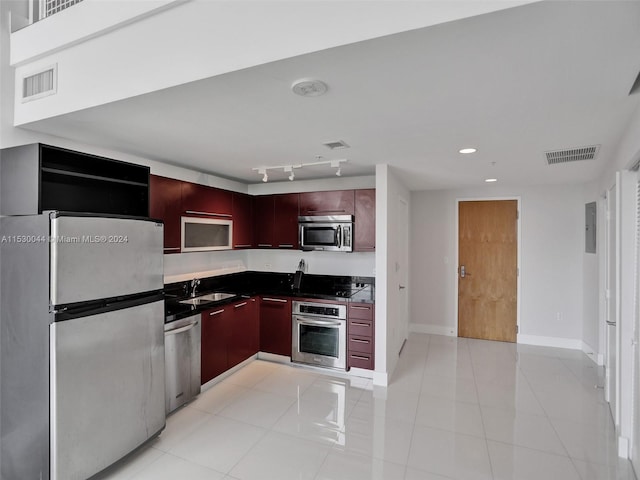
317, 323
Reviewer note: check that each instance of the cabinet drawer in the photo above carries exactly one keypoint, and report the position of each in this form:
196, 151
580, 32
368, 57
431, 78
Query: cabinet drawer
361, 310
360, 360
360, 327
359, 343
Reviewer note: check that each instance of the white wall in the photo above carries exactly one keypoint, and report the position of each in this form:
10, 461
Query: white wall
552, 245
324, 184
318, 263
590, 282
200, 39
389, 328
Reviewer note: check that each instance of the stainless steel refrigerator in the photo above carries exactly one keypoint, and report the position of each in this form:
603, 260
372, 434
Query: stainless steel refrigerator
82, 342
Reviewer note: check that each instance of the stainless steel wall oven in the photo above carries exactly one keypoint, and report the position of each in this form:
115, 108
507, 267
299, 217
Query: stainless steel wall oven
319, 332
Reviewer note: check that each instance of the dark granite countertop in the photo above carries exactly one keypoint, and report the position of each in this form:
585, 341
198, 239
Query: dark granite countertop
250, 283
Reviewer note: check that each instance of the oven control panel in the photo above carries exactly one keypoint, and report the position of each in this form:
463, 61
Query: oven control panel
320, 309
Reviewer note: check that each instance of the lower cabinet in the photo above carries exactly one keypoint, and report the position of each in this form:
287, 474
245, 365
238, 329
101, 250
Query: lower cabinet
275, 325
360, 336
245, 331
230, 335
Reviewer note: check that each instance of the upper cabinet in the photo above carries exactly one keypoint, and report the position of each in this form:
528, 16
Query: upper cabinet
37, 177
165, 203
286, 220
365, 221
337, 202
276, 221
242, 220
202, 200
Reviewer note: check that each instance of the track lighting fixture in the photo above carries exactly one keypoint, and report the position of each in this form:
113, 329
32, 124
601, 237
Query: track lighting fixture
290, 168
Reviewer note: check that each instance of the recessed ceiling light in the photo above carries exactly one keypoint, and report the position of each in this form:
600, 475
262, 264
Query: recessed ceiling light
468, 150
308, 87
490, 180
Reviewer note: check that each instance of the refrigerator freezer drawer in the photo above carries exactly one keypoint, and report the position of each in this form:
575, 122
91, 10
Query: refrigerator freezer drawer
104, 257
107, 392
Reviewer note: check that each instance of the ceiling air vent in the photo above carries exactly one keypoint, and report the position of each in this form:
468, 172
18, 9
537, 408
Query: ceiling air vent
572, 154
336, 145
39, 84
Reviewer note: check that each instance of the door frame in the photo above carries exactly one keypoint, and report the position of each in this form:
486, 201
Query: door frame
518, 199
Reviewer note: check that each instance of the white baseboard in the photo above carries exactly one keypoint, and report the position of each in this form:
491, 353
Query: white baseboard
432, 329
623, 447
590, 352
381, 379
557, 342
272, 357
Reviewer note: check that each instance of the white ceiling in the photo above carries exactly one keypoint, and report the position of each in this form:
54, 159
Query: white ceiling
513, 84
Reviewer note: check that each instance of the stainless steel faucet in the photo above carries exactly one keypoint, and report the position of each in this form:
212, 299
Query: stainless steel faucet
194, 284
302, 265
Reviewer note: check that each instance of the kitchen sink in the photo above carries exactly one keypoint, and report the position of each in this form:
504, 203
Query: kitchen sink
208, 298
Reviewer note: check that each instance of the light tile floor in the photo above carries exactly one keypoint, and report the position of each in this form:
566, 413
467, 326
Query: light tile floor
455, 409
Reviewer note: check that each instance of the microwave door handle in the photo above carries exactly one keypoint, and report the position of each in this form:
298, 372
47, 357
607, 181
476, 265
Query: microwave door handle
339, 236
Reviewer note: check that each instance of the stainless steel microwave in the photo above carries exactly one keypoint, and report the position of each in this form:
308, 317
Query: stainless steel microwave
200, 234
331, 233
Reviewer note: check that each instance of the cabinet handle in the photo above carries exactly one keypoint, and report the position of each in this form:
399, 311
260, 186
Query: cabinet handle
172, 248
285, 245
240, 305
217, 312
212, 214
267, 299
361, 357
357, 307
360, 324
357, 340
241, 246
265, 245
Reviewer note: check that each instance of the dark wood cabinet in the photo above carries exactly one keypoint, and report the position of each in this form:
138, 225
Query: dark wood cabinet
360, 335
215, 336
242, 220
202, 200
164, 196
365, 221
245, 331
264, 225
38, 177
286, 220
276, 221
336, 202
230, 334
275, 325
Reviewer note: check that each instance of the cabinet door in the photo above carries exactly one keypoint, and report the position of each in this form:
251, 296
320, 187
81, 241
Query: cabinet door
242, 221
365, 221
202, 200
244, 331
263, 210
286, 220
164, 197
214, 343
337, 202
275, 325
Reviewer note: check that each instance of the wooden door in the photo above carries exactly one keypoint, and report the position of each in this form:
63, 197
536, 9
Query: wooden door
488, 251
263, 221
215, 334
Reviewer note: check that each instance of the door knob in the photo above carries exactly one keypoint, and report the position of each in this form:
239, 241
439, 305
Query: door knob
401, 287
463, 272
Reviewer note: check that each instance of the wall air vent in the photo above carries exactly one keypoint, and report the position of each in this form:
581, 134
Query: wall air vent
336, 145
40, 84
572, 154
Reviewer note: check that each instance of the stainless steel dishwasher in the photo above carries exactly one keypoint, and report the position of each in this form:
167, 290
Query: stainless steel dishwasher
182, 361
